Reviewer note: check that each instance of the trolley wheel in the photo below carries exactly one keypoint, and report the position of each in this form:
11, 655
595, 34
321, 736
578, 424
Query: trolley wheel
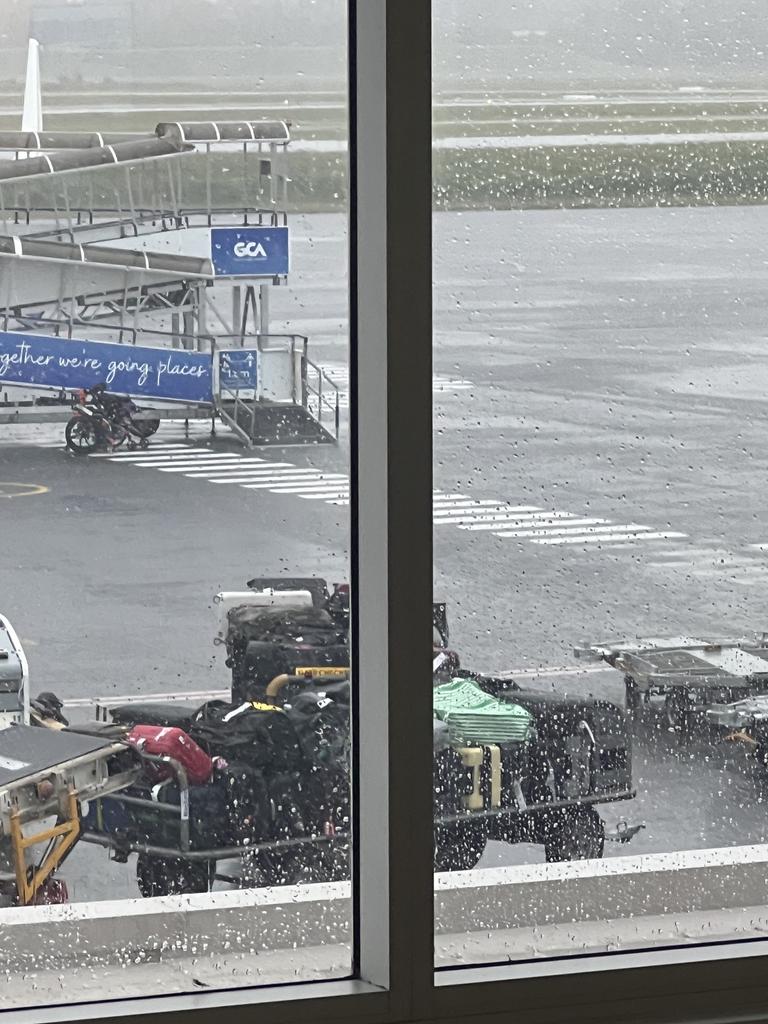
576, 833
678, 705
631, 696
459, 846
170, 876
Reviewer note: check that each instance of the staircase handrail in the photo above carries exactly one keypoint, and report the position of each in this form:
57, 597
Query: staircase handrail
320, 391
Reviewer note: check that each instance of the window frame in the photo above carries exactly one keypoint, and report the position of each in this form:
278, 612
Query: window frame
391, 507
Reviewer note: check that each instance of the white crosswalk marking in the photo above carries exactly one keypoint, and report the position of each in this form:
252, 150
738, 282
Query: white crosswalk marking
545, 523
536, 525
245, 468
616, 535
465, 514
499, 520
504, 519
309, 487
160, 452
338, 373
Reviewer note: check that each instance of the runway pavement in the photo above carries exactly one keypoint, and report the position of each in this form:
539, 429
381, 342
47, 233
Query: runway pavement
599, 472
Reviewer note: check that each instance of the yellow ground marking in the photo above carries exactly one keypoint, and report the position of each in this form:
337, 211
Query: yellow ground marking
13, 490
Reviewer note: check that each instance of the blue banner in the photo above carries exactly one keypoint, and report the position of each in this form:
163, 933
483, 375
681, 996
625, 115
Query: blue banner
249, 252
238, 369
142, 372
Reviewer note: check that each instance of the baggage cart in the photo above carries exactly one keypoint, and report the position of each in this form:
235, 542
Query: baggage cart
690, 673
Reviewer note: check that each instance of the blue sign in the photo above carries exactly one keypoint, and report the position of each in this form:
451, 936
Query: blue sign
46, 362
249, 252
238, 369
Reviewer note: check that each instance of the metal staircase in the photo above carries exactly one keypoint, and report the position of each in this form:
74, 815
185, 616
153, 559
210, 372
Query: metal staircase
110, 239
309, 415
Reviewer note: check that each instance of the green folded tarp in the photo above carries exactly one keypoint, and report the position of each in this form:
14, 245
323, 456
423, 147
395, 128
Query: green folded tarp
474, 717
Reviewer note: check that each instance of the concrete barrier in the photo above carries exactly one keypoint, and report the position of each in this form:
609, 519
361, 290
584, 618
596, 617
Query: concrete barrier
535, 898
165, 927
621, 887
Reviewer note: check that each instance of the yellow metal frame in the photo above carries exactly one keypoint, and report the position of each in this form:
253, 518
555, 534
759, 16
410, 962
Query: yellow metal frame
64, 836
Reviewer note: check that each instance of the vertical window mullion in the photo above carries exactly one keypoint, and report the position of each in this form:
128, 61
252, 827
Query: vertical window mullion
391, 442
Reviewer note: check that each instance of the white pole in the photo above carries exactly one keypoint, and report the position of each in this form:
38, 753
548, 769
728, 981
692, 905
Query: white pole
32, 116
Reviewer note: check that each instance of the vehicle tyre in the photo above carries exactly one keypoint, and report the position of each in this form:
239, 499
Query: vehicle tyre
146, 428
632, 696
81, 436
459, 846
170, 876
282, 867
677, 710
577, 833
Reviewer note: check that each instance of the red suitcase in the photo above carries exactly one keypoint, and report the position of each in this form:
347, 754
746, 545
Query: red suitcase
164, 741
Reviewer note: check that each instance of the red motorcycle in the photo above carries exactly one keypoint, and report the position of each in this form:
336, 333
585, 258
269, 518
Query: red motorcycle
101, 421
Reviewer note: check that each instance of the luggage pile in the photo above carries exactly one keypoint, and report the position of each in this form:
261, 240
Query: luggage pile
272, 775
263, 643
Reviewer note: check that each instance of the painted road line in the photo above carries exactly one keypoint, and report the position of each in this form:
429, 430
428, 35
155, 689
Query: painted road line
254, 478
275, 469
321, 496
309, 486
140, 698
489, 518
271, 479
148, 453
575, 532
591, 539
538, 521
246, 468
204, 695
553, 670
271, 486
328, 487
12, 489
473, 511
461, 500
186, 467
178, 457
451, 513
181, 460
499, 519
545, 523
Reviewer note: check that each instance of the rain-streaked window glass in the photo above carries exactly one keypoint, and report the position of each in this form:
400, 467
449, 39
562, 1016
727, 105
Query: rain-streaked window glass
600, 666
174, 497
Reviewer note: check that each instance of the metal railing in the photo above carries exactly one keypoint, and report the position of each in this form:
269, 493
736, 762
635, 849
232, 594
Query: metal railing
320, 395
129, 221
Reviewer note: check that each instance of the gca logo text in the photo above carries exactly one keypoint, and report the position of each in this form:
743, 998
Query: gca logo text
249, 250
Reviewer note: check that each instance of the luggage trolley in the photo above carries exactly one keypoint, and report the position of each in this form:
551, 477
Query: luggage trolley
690, 673
172, 838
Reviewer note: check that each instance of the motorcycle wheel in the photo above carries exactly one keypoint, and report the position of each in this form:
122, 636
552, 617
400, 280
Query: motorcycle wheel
81, 437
